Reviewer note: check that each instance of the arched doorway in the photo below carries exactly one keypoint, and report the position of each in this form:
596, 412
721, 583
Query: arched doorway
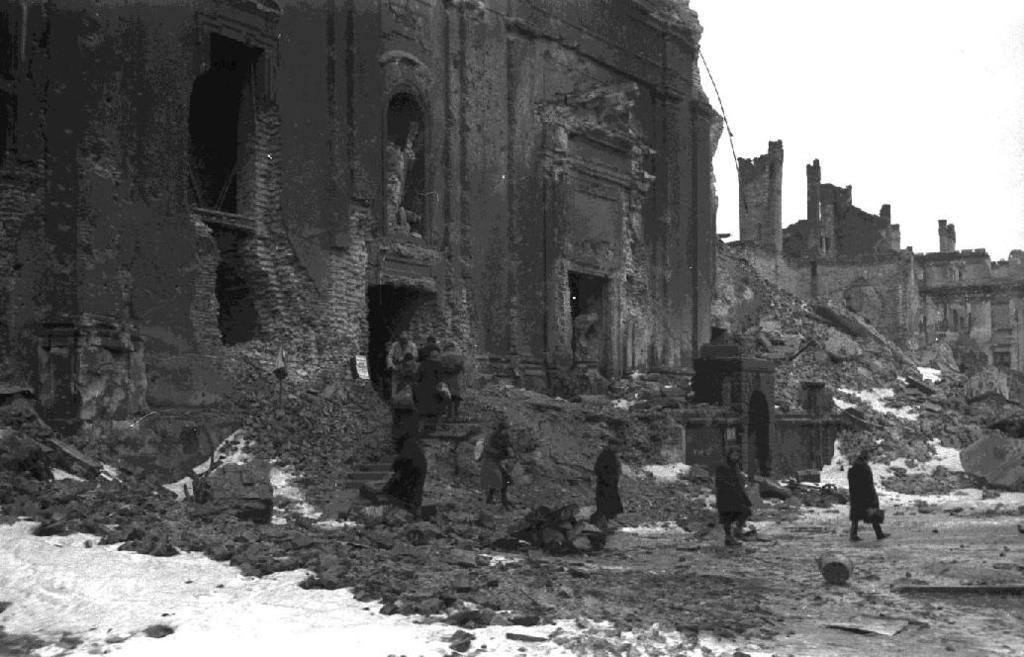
759, 431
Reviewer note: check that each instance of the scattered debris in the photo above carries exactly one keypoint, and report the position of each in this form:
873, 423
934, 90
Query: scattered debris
868, 625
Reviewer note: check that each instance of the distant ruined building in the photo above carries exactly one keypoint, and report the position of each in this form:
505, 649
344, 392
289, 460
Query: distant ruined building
529, 179
853, 258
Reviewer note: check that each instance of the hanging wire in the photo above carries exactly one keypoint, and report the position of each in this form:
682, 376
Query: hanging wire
732, 144
721, 106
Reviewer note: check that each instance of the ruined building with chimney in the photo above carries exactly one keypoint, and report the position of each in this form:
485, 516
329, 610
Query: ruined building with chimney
853, 258
527, 179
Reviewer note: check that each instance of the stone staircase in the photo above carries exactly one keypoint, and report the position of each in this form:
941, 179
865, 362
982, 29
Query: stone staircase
368, 473
454, 433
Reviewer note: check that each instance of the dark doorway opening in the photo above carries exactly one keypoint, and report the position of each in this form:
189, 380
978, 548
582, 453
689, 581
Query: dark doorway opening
220, 111
236, 316
587, 306
759, 430
391, 309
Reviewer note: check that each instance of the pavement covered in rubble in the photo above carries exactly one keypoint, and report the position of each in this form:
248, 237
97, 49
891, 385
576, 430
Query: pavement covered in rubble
68, 595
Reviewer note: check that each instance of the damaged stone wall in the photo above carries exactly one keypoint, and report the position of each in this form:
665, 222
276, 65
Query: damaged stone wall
284, 243
965, 299
835, 227
760, 198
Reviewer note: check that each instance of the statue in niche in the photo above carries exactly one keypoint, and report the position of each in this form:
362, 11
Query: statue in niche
398, 161
586, 337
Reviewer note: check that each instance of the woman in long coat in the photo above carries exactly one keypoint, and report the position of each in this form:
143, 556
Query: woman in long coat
452, 365
607, 470
731, 498
494, 475
863, 497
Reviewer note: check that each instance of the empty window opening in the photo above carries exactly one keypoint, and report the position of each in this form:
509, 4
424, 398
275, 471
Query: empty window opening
236, 317
220, 121
390, 311
404, 166
587, 308
9, 57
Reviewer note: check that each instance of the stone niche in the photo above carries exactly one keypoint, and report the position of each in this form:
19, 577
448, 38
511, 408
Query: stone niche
91, 368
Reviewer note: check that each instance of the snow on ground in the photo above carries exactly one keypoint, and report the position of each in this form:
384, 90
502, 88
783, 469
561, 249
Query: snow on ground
281, 478
657, 529
930, 374
669, 472
875, 398
946, 457
57, 585
968, 499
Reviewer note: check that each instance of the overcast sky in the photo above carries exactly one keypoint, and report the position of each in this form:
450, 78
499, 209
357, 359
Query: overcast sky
915, 103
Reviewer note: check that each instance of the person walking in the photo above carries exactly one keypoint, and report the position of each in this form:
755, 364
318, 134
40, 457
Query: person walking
396, 356
404, 416
428, 390
452, 366
731, 498
494, 471
607, 471
864, 498
409, 474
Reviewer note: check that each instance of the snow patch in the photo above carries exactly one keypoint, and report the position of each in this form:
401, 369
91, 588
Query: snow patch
59, 474
875, 398
657, 529
669, 472
930, 374
107, 598
282, 480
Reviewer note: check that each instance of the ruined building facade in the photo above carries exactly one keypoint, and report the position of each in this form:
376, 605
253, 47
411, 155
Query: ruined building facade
531, 180
853, 258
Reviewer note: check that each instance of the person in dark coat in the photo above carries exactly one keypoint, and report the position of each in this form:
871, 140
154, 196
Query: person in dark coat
607, 470
452, 365
409, 474
863, 497
494, 470
405, 420
429, 402
731, 498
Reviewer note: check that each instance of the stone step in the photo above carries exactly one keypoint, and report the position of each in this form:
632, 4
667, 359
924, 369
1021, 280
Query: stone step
363, 477
372, 466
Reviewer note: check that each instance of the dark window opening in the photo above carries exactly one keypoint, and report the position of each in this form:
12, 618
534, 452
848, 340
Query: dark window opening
8, 113
219, 120
391, 309
405, 167
9, 56
236, 317
587, 309
1001, 359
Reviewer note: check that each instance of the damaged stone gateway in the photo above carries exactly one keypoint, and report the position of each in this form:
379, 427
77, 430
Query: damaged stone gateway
532, 182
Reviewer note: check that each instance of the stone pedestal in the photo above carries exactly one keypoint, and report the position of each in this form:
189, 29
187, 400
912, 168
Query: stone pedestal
90, 367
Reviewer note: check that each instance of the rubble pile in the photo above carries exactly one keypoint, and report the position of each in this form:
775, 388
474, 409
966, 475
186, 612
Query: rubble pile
806, 342
937, 482
558, 531
315, 424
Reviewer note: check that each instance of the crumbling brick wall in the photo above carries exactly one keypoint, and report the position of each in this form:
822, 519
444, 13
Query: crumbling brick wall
23, 262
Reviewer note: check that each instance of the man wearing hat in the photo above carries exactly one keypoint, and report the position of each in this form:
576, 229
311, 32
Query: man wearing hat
863, 497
